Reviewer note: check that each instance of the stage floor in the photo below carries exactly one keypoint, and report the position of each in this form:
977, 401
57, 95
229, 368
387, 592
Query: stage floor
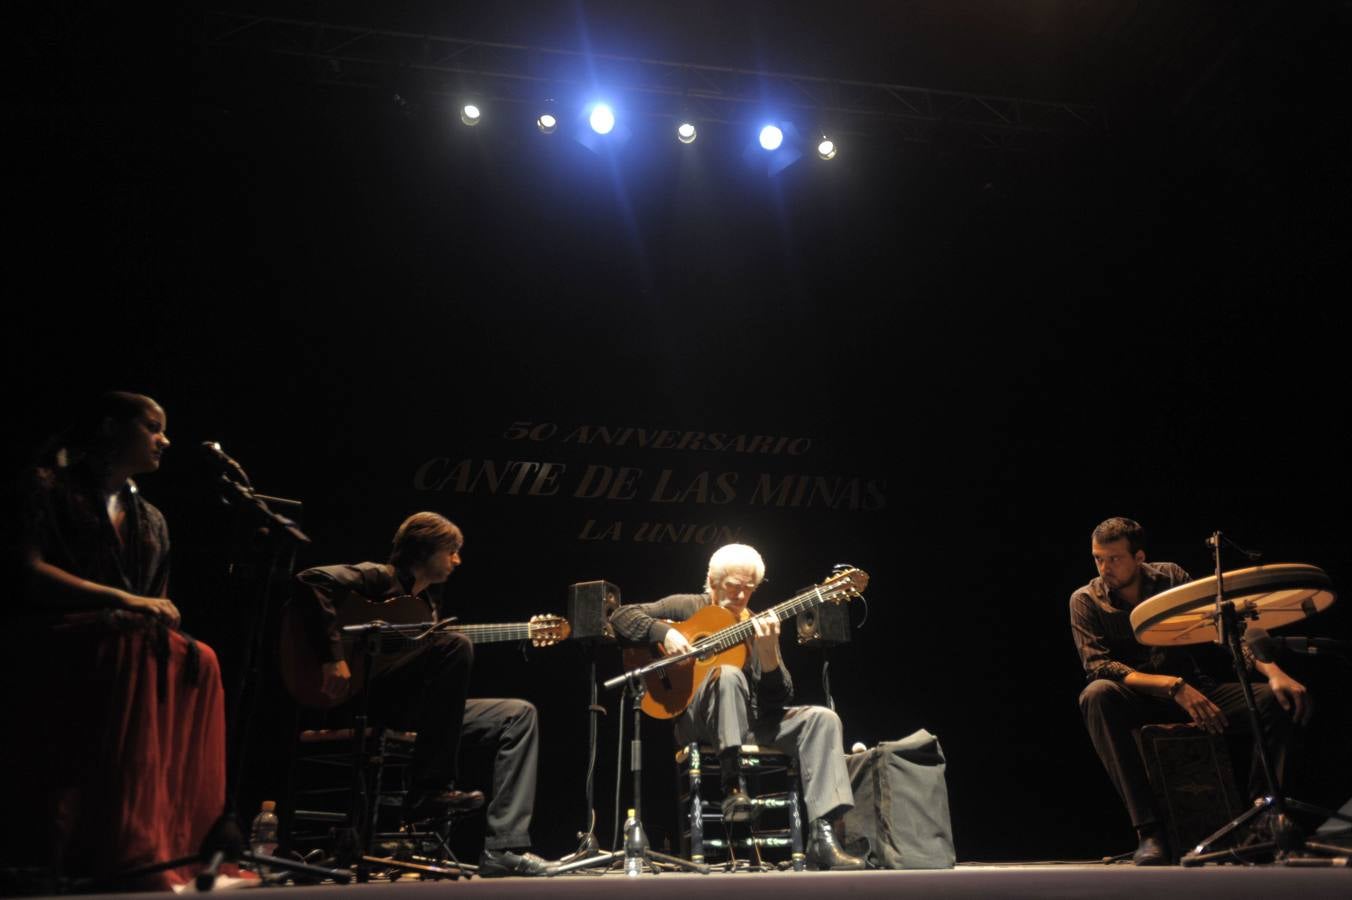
1102, 882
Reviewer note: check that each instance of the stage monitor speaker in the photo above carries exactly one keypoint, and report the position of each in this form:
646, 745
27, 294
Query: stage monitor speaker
590, 604
827, 625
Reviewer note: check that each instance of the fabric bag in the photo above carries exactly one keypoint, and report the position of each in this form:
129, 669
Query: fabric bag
900, 818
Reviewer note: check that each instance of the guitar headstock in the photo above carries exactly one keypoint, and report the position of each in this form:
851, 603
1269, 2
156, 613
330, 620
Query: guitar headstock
844, 585
547, 630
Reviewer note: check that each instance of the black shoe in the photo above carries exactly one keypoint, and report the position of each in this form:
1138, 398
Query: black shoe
824, 853
428, 804
1151, 851
501, 863
736, 806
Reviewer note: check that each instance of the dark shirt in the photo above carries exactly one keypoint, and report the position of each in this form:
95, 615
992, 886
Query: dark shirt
1101, 627
643, 622
334, 586
67, 524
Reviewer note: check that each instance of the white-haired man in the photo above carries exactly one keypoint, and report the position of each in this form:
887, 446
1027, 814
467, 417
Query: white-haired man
750, 705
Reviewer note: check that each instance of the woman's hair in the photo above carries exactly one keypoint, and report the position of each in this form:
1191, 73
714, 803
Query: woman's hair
86, 435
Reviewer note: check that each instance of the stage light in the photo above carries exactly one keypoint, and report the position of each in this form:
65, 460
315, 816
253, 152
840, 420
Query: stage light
685, 132
826, 148
776, 147
546, 123
602, 119
470, 114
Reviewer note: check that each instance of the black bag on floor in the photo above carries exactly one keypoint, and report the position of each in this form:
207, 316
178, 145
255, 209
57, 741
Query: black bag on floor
900, 817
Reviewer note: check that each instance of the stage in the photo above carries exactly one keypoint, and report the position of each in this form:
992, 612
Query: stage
967, 880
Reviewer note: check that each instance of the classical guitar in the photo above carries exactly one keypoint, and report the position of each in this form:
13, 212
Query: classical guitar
718, 638
389, 629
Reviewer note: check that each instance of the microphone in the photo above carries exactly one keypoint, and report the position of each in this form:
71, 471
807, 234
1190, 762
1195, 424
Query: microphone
213, 450
1216, 538
1265, 647
1262, 645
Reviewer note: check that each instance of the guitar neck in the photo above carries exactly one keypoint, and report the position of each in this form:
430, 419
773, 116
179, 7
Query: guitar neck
398, 637
488, 634
735, 634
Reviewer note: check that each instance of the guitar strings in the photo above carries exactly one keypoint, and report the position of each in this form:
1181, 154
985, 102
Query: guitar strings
735, 634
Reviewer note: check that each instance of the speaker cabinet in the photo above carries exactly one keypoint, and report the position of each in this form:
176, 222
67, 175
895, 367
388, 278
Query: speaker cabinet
827, 625
590, 604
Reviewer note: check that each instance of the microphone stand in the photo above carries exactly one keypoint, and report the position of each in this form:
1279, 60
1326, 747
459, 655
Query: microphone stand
1286, 837
588, 845
633, 682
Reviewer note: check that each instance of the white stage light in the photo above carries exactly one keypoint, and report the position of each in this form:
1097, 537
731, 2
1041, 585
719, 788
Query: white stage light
771, 137
602, 119
470, 114
685, 132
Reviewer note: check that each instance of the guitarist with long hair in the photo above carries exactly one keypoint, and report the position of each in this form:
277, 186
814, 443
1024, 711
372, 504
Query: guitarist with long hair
735, 706
425, 688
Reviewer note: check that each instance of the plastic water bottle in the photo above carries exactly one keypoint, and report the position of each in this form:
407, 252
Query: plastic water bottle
634, 844
263, 835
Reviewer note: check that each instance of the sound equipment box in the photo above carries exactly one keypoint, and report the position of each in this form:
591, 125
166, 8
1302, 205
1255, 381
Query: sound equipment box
590, 604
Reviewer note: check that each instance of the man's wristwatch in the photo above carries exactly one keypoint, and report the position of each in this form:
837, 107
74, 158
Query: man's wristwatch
1175, 688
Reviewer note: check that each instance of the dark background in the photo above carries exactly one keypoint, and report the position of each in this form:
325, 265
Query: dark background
1011, 345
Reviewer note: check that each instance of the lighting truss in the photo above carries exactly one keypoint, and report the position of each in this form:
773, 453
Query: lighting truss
357, 56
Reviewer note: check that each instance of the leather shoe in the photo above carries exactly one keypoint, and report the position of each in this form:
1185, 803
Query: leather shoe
736, 806
501, 863
1151, 851
427, 804
824, 853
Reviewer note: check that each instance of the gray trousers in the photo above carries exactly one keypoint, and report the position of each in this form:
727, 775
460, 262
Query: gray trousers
508, 730
720, 715
1112, 710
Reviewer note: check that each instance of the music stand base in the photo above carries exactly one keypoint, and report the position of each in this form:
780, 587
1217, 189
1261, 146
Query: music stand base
423, 869
1287, 843
608, 858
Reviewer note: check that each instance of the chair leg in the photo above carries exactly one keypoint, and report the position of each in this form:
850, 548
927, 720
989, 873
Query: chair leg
695, 812
377, 759
795, 820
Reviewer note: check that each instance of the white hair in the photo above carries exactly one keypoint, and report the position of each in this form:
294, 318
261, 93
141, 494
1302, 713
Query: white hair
734, 556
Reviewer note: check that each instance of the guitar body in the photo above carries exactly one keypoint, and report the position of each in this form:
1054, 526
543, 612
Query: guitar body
719, 638
671, 690
302, 668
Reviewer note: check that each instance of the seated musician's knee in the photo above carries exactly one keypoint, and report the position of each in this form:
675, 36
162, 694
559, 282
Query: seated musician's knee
1100, 693
731, 678
454, 645
822, 719
524, 712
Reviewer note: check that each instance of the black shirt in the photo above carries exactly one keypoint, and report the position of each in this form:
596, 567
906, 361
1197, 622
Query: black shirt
1101, 627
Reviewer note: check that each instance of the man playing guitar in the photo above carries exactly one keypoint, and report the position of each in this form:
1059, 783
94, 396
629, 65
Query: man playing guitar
747, 705
425, 688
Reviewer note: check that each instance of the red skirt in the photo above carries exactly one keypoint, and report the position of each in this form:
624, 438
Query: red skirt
130, 761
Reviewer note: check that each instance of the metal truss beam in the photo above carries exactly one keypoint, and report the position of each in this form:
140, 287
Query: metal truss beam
439, 65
